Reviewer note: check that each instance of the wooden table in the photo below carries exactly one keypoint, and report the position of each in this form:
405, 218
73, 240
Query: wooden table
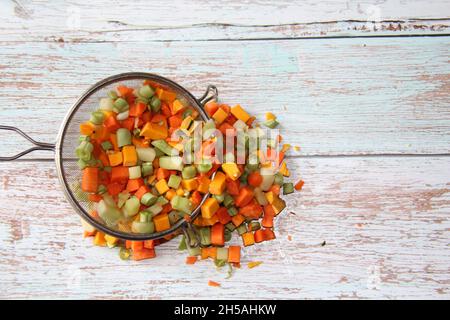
363, 89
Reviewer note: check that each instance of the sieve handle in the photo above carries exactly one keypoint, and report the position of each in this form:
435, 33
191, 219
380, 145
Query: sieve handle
38, 145
211, 93
191, 235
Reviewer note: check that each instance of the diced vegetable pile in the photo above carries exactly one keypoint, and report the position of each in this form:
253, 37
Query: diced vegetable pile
131, 153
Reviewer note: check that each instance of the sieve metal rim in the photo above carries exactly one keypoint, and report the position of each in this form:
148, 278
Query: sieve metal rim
210, 93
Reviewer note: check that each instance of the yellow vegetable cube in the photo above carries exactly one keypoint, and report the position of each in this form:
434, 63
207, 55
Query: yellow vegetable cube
284, 170
232, 170
186, 123
162, 186
190, 184
99, 239
209, 208
219, 116
278, 205
177, 106
154, 131
239, 113
115, 158
166, 95
270, 116
129, 156
270, 196
217, 186
110, 240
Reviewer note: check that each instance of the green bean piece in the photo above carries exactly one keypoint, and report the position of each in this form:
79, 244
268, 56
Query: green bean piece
164, 147
189, 172
205, 236
182, 246
232, 211
174, 217
254, 225
155, 104
101, 189
230, 226
174, 181
112, 94
242, 229
142, 227
123, 137
124, 253
146, 92
288, 188
219, 197
106, 145
97, 117
110, 214
120, 105
228, 201
147, 169
279, 179
181, 204
272, 124
205, 166
227, 235
148, 199
244, 177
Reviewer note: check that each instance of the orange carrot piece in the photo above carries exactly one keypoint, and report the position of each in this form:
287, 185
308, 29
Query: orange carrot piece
252, 210
234, 254
137, 245
141, 191
233, 187
299, 185
95, 197
218, 234
149, 244
213, 283
244, 197
191, 260
223, 215
89, 182
255, 179
134, 184
162, 174
143, 254
237, 220
119, 174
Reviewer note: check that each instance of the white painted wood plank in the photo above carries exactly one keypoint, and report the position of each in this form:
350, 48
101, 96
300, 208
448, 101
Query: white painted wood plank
385, 223
346, 96
120, 20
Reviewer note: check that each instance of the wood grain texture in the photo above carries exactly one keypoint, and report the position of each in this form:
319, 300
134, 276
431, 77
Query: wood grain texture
114, 20
344, 96
385, 223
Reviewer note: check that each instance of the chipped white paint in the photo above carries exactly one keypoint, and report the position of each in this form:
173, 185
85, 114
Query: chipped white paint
385, 220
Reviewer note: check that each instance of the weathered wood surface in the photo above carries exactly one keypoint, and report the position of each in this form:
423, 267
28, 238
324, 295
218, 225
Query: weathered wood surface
385, 223
340, 96
385, 219
188, 20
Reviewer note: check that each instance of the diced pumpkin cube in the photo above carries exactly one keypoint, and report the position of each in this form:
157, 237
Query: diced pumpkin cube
115, 158
209, 208
239, 113
248, 239
284, 170
203, 186
218, 184
161, 222
278, 205
129, 156
177, 106
87, 128
232, 170
99, 239
270, 196
154, 131
166, 95
110, 240
162, 186
189, 184
219, 116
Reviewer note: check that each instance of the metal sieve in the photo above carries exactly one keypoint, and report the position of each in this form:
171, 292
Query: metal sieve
67, 140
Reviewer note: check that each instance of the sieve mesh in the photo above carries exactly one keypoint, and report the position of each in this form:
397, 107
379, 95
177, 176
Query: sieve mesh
68, 170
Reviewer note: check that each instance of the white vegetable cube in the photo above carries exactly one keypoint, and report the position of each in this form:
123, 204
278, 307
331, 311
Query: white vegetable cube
106, 104
240, 125
134, 172
146, 154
